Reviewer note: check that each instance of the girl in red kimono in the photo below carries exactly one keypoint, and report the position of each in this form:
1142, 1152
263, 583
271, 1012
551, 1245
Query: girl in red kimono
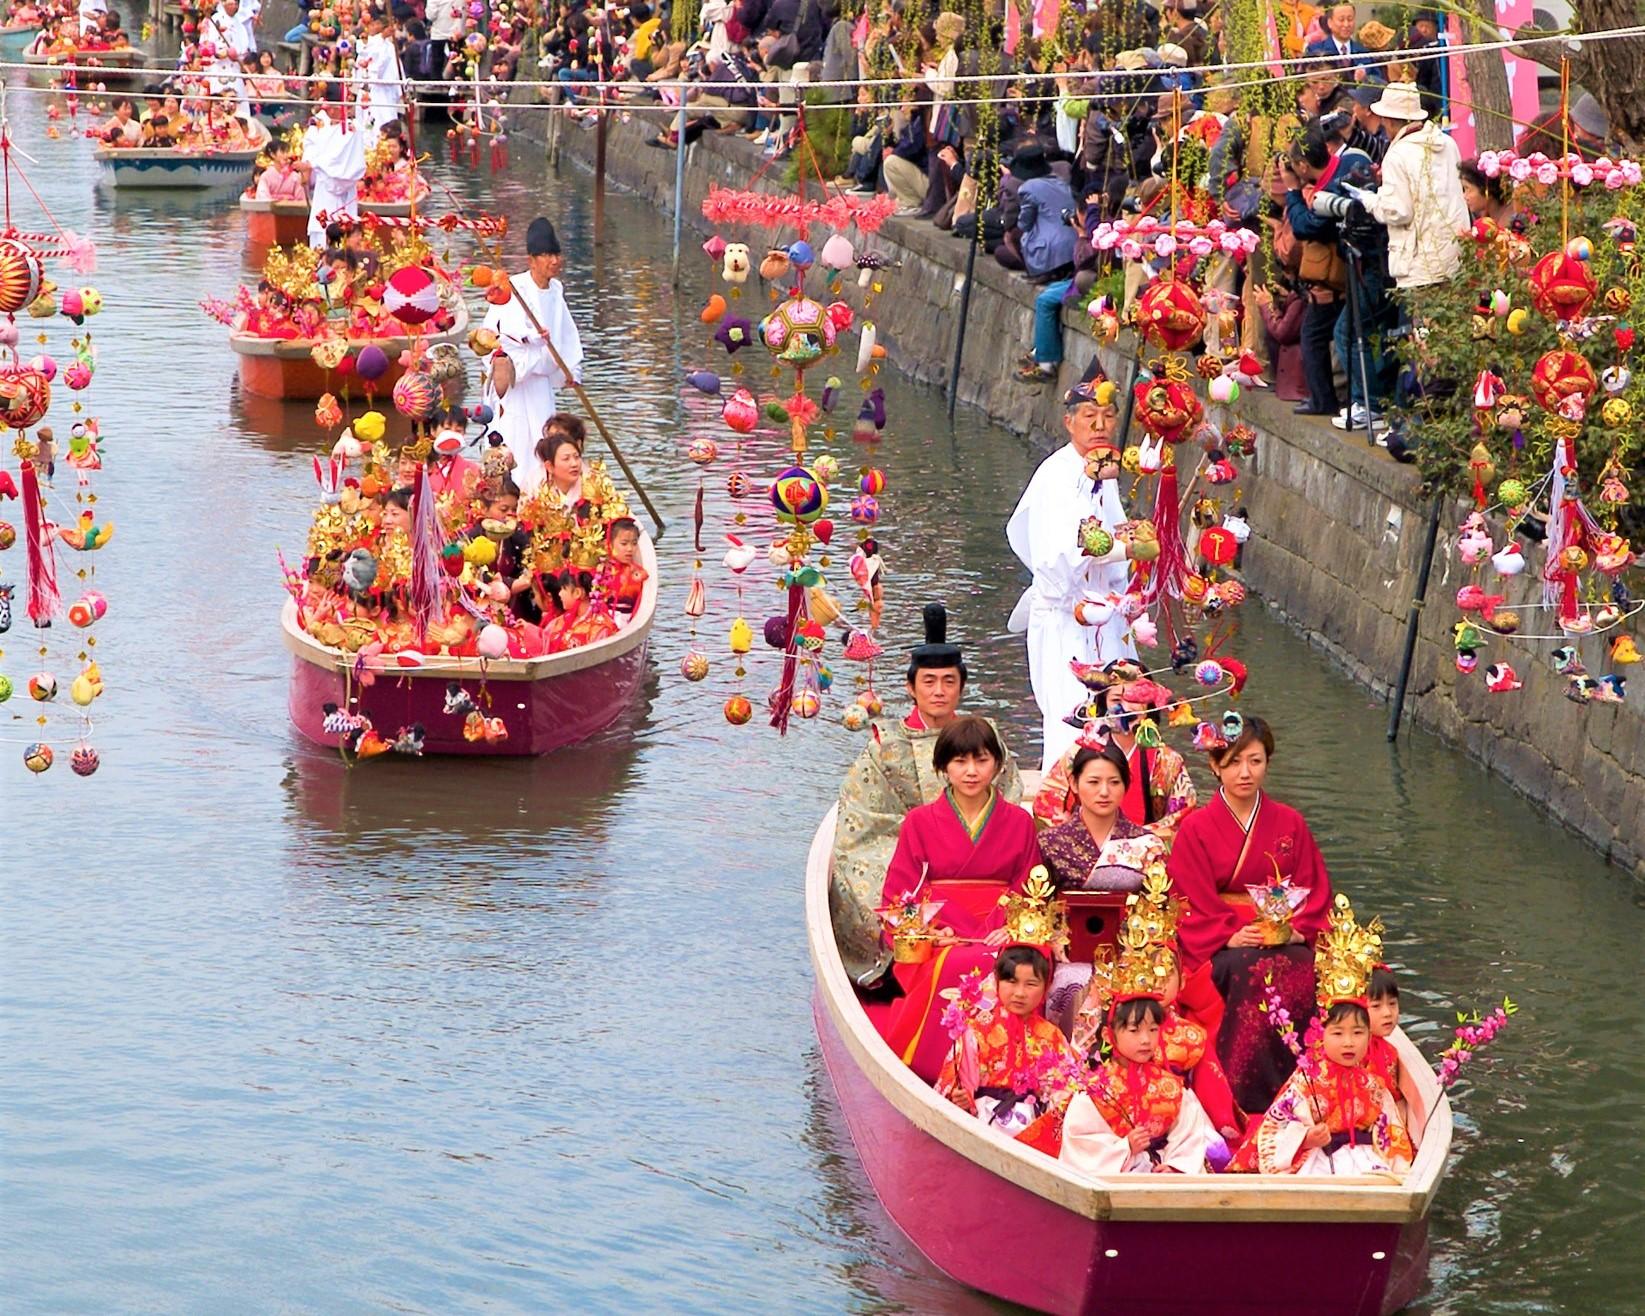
963, 854
1004, 1067
1244, 839
626, 576
1383, 1007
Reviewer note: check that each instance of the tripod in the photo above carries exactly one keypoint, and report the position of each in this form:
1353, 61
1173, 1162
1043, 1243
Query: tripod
1356, 335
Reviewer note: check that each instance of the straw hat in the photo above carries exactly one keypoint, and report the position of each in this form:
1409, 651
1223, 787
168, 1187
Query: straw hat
1401, 100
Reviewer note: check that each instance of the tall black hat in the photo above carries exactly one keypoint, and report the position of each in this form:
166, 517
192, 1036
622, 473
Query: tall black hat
541, 239
936, 651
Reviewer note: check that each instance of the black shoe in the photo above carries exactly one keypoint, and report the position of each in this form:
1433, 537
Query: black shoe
1308, 409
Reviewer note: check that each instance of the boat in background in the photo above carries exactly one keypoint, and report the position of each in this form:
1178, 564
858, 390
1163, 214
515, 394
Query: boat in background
14, 40
180, 167
115, 68
1010, 1221
286, 368
398, 209
546, 703
274, 223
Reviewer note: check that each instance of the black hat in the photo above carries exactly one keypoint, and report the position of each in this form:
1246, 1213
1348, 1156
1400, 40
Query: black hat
1086, 389
541, 239
1028, 161
936, 651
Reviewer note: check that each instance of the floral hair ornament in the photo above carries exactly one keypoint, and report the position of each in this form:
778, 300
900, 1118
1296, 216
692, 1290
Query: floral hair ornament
1345, 954
1093, 736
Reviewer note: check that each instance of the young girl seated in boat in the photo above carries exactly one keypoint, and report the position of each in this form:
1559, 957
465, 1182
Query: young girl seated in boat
282, 180
1382, 1005
1011, 1067
580, 620
1334, 1115
389, 177
626, 577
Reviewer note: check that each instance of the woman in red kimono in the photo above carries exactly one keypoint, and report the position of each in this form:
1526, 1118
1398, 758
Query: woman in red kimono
963, 853
1243, 839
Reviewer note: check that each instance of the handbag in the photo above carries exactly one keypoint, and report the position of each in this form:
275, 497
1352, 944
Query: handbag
1322, 264
784, 52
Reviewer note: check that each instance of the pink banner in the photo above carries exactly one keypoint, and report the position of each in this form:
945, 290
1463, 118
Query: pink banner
1046, 15
1522, 78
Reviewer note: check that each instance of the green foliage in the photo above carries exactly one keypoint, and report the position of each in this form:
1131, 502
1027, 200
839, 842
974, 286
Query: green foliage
1453, 343
828, 130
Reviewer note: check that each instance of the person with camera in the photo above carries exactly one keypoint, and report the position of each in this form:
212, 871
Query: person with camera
1325, 167
1420, 200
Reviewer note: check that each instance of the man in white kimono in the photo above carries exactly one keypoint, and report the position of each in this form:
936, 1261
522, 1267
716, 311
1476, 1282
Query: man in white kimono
382, 97
91, 14
228, 31
524, 373
1071, 609
334, 157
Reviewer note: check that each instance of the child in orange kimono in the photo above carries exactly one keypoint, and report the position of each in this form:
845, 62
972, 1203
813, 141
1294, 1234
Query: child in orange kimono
1339, 1119
1135, 1116
1011, 1067
579, 622
627, 577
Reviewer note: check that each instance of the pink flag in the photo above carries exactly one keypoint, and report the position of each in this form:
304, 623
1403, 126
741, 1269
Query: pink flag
1046, 14
1013, 27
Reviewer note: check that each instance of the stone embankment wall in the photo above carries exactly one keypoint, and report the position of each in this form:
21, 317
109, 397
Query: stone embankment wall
1339, 527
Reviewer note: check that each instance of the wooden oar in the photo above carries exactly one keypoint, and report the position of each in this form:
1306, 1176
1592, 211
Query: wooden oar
589, 405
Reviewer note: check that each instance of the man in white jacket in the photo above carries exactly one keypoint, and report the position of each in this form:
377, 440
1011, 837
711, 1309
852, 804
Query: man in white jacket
1420, 201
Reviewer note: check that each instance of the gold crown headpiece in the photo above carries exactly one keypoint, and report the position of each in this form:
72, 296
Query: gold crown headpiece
1345, 955
1147, 943
1036, 917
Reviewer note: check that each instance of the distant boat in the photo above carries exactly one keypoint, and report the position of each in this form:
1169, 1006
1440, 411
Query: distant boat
117, 67
1012, 1222
179, 167
286, 368
16, 38
397, 209
546, 703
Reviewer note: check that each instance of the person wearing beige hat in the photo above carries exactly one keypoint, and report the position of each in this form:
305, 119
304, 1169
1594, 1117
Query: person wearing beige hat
1420, 201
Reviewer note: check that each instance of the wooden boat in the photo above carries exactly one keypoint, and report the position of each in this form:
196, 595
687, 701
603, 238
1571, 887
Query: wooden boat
286, 368
1004, 1218
397, 209
546, 703
112, 67
15, 39
180, 167
274, 223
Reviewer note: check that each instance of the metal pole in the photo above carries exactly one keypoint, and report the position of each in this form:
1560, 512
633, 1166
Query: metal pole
1398, 706
965, 312
679, 184
599, 175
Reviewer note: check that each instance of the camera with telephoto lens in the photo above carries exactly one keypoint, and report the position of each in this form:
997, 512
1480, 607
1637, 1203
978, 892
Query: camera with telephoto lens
1329, 205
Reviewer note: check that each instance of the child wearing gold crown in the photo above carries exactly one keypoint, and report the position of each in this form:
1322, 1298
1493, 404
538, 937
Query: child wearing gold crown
1137, 1114
1335, 1115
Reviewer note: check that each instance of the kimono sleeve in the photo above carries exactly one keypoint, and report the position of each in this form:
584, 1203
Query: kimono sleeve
865, 835
908, 864
1210, 922
958, 1078
1309, 871
1175, 789
1186, 1144
1279, 1136
1089, 1146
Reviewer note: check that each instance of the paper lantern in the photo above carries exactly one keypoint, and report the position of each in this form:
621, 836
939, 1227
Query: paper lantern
1171, 315
416, 395
21, 276
1562, 374
1562, 287
798, 496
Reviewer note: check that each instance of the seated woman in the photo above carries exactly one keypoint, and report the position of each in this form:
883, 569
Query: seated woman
124, 128
1136, 1116
1098, 849
960, 855
1241, 846
283, 179
1159, 792
1334, 1115
998, 1069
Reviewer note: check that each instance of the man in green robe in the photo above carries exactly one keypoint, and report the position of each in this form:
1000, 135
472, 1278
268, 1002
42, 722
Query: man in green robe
890, 777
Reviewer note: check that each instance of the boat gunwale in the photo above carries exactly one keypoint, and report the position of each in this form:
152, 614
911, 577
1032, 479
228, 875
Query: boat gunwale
298, 349
445, 668
1209, 1198
127, 61
251, 205
194, 156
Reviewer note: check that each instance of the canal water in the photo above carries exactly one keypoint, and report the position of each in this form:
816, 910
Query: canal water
282, 1035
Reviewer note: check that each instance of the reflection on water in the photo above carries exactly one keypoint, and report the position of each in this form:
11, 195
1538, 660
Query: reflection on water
282, 1034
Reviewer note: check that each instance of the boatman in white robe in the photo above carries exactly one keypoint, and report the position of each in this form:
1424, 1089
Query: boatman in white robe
1071, 610
524, 373
334, 157
228, 31
382, 97
91, 14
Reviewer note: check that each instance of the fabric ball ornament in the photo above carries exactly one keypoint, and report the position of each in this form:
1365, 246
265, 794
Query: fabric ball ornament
5, 688
372, 363
806, 704
412, 296
873, 481
1618, 301
1208, 673
84, 761
855, 717
42, 687
1171, 315
1512, 492
88, 608
798, 331
1616, 412
702, 451
737, 484
21, 276
738, 710
694, 666
25, 396
798, 496
1167, 409
865, 509
741, 412
1218, 546
37, 758
1560, 374
46, 365
416, 395
1562, 286
776, 632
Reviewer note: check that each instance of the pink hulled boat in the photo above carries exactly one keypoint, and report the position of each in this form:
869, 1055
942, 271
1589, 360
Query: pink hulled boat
1004, 1218
546, 703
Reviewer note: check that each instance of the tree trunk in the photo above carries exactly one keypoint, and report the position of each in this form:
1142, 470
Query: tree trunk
1493, 107
1610, 69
